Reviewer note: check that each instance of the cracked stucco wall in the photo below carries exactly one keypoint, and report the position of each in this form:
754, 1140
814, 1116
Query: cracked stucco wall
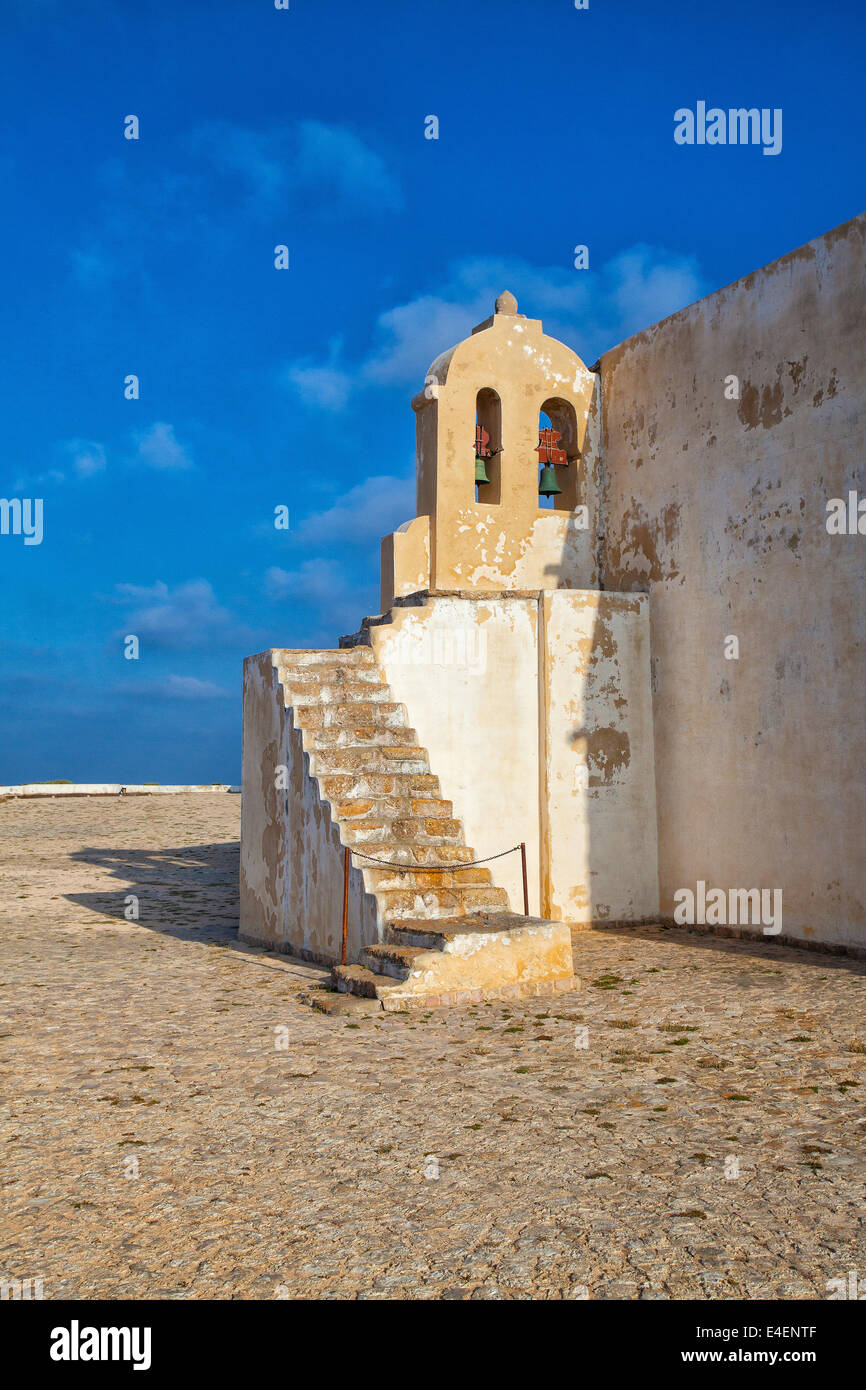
536, 711
716, 508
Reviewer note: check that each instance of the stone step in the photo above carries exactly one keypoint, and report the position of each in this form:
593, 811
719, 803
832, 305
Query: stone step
396, 809
434, 936
357, 979
384, 714
413, 854
402, 903
313, 677
338, 693
328, 1001
392, 960
421, 831
334, 656
380, 878
316, 740
403, 758
346, 786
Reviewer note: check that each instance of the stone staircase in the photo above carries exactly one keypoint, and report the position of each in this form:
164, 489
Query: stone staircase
456, 960
435, 927
381, 791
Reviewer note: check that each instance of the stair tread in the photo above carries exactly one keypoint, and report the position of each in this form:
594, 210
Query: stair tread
364, 979
447, 927
403, 955
356, 972
386, 847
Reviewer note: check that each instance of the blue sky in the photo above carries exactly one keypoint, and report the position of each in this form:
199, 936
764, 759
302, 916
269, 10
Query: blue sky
262, 387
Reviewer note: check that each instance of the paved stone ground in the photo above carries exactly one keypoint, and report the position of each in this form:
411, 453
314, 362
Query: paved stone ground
293, 1162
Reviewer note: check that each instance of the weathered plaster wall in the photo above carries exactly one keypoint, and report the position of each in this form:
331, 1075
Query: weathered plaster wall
598, 799
405, 561
291, 877
717, 509
536, 712
467, 673
263, 838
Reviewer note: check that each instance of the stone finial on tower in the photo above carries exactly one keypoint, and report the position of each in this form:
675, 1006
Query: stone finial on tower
506, 303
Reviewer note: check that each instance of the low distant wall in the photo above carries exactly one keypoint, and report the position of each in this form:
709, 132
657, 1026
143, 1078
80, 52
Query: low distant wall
108, 789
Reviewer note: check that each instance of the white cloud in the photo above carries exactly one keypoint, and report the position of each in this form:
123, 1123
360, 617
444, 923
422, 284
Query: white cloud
222, 175
329, 168
175, 688
326, 386
29, 484
355, 174
591, 310
644, 287
332, 602
88, 457
158, 448
317, 581
368, 511
186, 617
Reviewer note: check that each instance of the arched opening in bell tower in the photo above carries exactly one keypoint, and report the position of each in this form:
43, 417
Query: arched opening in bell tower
488, 446
558, 455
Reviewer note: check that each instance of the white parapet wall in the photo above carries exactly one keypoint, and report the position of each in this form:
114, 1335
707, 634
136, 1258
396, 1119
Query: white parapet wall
109, 789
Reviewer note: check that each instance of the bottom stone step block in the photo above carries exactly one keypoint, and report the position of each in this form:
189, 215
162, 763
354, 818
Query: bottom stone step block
330, 1001
357, 979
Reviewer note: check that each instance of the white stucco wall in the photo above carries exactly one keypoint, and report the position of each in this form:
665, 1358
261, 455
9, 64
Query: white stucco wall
598, 781
716, 504
466, 672
548, 742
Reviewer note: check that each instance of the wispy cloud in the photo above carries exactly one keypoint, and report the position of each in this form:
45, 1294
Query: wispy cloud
329, 167
331, 600
222, 176
324, 384
591, 310
87, 457
158, 448
316, 581
180, 619
366, 512
174, 688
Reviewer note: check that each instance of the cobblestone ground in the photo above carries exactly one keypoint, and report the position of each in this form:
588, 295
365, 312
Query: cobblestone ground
705, 1142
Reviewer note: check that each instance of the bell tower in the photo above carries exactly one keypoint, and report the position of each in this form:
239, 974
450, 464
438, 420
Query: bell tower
506, 485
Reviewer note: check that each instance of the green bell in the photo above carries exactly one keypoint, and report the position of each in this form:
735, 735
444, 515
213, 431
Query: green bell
548, 486
480, 470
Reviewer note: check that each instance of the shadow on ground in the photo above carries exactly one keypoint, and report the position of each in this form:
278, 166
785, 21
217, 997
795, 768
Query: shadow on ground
764, 950
187, 892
